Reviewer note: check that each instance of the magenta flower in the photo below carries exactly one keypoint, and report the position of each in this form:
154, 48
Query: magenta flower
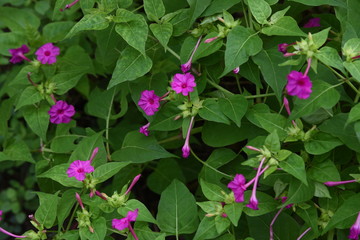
78, 198
67, 6
209, 40
186, 148
283, 200
355, 229
331, 184
61, 112
1, 213
134, 181
8, 233
282, 47
298, 85
123, 223
253, 203
238, 187
187, 66
183, 83
78, 169
313, 22
149, 102
18, 54
145, 129
236, 70
47, 53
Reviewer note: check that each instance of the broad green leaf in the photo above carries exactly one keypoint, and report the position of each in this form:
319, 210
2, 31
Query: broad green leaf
346, 214
260, 9
107, 170
196, 9
251, 72
241, 44
330, 56
310, 216
56, 31
221, 224
46, 213
212, 191
143, 232
144, 213
274, 75
99, 226
354, 114
93, 21
106, 98
321, 143
295, 166
154, 9
206, 229
233, 212
130, 66
76, 61
272, 142
19, 20
16, 151
321, 191
354, 69
211, 111
320, 37
66, 203
324, 171
180, 21
299, 192
132, 28
58, 174
65, 81
37, 118
234, 107
165, 118
338, 3
266, 204
177, 210
9, 40
63, 142
138, 148
162, 31
323, 95
270, 122
217, 6
285, 26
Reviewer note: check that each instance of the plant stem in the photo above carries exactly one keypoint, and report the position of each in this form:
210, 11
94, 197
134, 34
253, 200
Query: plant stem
140, 7
172, 52
352, 86
273, 221
330, 235
219, 87
245, 14
214, 169
260, 95
357, 96
238, 83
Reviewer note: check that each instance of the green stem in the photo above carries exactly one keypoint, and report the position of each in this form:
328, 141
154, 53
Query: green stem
245, 14
250, 20
260, 95
72, 217
140, 7
336, 73
258, 99
172, 52
214, 169
357, 96
330, 235
219, 87
352, 86
238, 83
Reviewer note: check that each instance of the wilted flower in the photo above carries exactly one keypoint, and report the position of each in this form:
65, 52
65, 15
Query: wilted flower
282, 47
67, 6
187, 66
209, 40
298, 85
330, 183
355, 229
313, 22
47, 53
183, 83
149, 102
236, 70
61, 112
186, 148
18, 54
145, 129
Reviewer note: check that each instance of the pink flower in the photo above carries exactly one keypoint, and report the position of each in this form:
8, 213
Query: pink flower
78, 169
67, 6
282, 47
186, 66
236, 70
331, 184
121, 224
183, 83
78, 198
209, 40
313, 22
238, 187
298, 85
149, 102
283, 200
355, 229
186, 148
61, 112
134, 181
18, 54
47, 53
144, 129
1, 213
253, 203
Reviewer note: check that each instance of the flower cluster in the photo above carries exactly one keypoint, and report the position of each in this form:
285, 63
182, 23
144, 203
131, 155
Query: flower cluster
46, 54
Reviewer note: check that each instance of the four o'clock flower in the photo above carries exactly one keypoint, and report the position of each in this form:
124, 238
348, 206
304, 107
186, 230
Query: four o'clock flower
355, 229
18, 54
8, 233
134, 181
145, 129
149, 102
61, 112
209, 40
238, 187
186, 148
313, 22
67, 6
47, 53
187, 66
78, 168
253, 203
123, 223
236, 70
183, 83
299, 84
330, 183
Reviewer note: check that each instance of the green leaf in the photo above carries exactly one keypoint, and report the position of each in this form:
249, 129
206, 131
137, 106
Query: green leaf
211, 111
221, 224
323, 96
354, 114
295, 166
346, 214
330, 56
274, 75
162, 32
177, 211
76, 61
285, 26
321, 191
154, 9
338, 3
17, 151
241, 44
266, 204
234, 107
132, 28
354, 69
233, 211
99, 226
130, 66
58, 174
138, 148
19, 20
56, 31
320, 37
206, 229
217, 6
106, 98
37, 118
180, 21
260, 9
279, 14
93, 21
46, 213
144, 213
196, 9
299, 192
66, 203
269, 122
206, 49
212, 191
107, 170
165, 118
324, 171
272, 142
321, 143
310, 216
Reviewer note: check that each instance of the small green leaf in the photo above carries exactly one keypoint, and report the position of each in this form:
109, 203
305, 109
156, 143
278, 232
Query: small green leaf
211, 111
320, 37
260, 9
354, 69
330, 56
46, 213
206, 229
233, 211
321, 191
37, 118
321, 143
295, 166
107, 170
234, 107
162, 32
29, 96
58, 174
272, 142
212, 191
93, 21
154, 9
285, 26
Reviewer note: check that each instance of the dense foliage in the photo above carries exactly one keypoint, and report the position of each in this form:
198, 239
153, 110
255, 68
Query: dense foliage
174, 119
